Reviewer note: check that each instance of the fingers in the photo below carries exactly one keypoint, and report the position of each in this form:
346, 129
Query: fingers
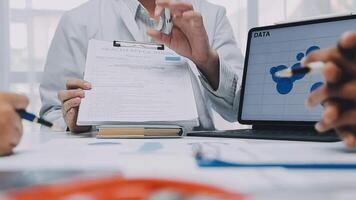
156, 35
350, 140
70, 112
348, 40
176, 7
15, 100
170, 4
332, 73
10, 138
194, 17
11, 129
346, 91
159, 36
348, 135
72, 103
320, 55
65, 95
182, 12
331, 111
78, 84
71, 118
332, 55
158, 10
17, 128
348, 118
317, 97
71, 99
339, 93
71, 121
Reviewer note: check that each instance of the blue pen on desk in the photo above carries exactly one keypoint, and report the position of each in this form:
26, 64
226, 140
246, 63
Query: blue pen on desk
33, 118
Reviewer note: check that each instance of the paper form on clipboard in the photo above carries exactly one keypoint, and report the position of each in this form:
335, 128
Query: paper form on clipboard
134, 83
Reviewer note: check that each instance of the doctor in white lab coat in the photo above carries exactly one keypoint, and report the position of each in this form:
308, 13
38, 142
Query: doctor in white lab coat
201, 33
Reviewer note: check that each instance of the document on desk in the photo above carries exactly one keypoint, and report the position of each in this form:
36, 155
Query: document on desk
290, 156
136, 85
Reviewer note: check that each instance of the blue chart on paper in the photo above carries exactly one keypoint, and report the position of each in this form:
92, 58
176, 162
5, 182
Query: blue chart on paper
150, 147
285, 85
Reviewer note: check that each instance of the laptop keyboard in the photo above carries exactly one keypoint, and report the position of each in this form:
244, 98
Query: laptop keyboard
291, 135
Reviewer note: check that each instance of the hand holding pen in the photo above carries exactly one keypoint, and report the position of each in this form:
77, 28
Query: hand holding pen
339, 92
10, 121
12, 111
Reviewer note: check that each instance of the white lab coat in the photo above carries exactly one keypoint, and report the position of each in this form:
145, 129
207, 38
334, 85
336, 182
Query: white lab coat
110, 20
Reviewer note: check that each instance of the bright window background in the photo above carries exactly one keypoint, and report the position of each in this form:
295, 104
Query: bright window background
31, 29
26, 33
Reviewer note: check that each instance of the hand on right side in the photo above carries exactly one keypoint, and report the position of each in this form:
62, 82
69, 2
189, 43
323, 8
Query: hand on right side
339, 93
71, 99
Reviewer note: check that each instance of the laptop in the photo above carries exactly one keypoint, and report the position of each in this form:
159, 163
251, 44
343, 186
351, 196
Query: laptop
275, 107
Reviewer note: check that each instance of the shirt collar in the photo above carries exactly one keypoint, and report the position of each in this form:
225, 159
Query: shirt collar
133, 6
139, 12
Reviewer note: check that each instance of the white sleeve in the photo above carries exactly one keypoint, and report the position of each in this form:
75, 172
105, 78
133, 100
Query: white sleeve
225, 99
65, 60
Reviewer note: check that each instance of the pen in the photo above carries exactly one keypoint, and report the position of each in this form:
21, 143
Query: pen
33, 118
314, 67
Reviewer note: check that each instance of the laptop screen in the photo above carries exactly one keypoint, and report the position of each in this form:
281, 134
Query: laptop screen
266, 97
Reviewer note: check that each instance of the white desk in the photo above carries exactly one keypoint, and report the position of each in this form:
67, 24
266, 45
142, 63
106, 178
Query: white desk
178, 165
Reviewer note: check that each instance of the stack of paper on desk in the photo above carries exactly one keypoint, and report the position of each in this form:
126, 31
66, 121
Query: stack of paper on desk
290, 155
136, 85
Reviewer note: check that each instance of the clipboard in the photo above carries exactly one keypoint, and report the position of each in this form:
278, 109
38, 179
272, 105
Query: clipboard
163, 96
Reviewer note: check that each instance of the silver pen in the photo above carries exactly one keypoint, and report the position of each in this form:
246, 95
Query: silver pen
314, 67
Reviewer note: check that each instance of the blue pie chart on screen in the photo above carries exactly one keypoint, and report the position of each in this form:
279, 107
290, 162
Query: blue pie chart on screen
285, 85
316, 86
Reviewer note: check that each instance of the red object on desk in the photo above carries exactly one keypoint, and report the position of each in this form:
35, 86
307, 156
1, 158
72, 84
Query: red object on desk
119, 188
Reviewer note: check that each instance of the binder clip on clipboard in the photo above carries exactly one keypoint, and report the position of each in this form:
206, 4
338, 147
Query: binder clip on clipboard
143, 45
